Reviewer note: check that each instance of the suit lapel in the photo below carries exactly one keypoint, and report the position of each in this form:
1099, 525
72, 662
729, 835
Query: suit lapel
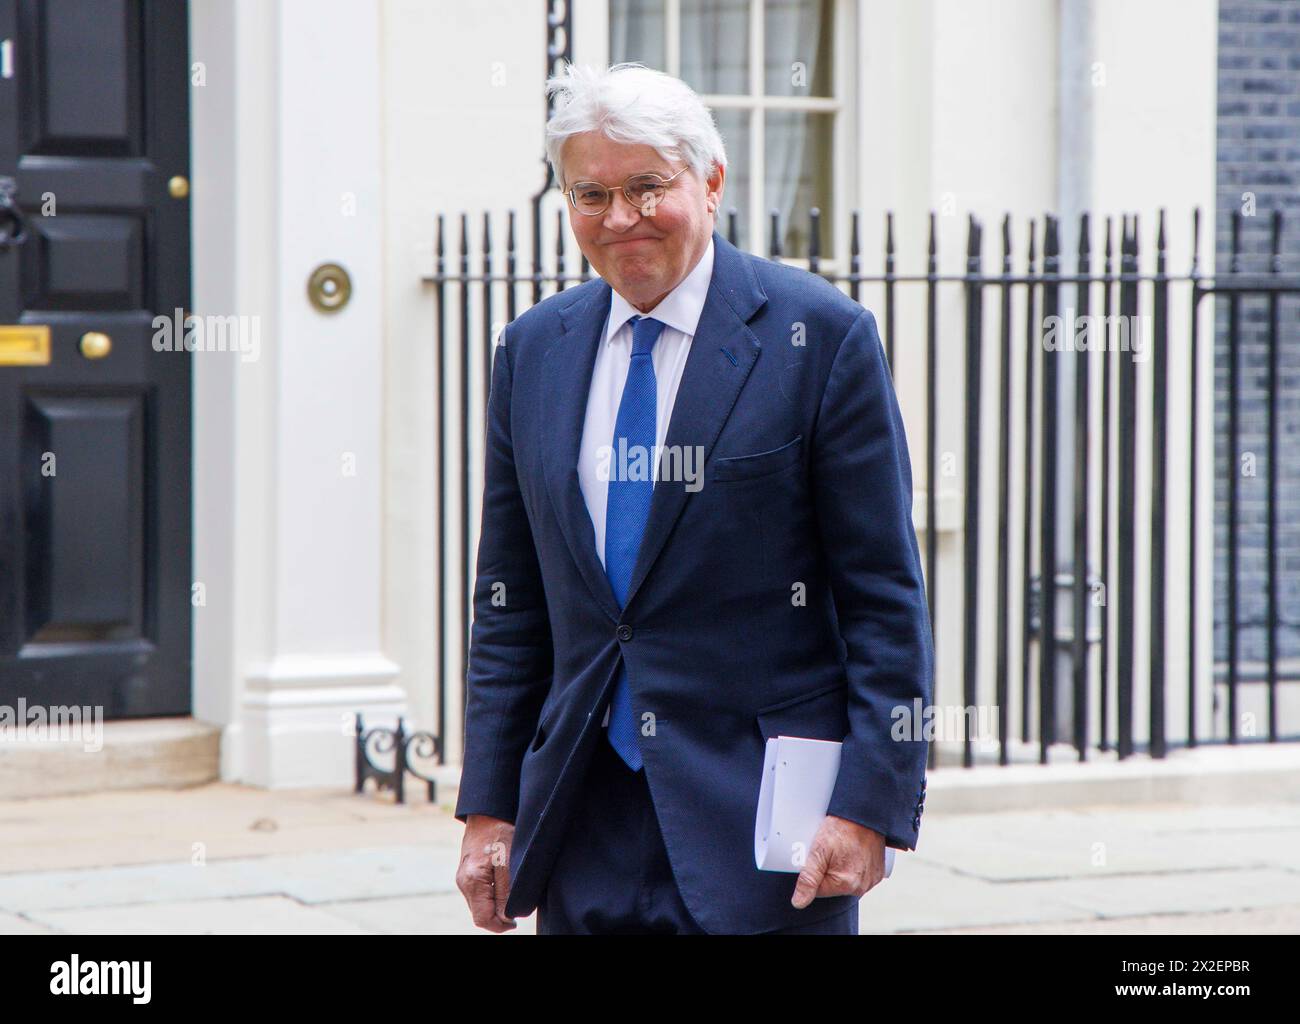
722, 354
566, 380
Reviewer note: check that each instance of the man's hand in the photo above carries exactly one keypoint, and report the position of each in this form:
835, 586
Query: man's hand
484, 872
846, 859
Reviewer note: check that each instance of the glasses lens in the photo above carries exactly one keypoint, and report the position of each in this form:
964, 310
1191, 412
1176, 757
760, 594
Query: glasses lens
645, 190
590, 197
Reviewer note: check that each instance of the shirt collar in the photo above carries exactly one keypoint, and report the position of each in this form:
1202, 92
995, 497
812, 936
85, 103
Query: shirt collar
680, 309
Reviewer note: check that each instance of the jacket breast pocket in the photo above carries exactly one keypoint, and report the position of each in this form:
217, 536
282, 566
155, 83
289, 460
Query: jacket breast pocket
820, 715
748, 467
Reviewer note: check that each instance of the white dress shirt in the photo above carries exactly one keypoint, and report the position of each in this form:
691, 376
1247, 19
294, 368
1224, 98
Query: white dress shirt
680, 313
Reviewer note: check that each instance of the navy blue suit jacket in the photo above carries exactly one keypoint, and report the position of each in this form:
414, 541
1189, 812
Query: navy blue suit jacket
783, 596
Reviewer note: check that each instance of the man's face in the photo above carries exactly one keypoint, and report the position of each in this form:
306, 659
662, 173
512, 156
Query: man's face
642, 253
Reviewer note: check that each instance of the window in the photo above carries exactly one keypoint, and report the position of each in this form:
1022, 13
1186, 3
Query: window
765, 67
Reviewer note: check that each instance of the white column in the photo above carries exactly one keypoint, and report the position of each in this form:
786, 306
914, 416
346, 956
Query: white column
290, 644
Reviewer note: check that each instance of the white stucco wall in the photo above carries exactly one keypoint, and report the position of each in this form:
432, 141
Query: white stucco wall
463, 116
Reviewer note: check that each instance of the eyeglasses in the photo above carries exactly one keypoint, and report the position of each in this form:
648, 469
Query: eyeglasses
644, 191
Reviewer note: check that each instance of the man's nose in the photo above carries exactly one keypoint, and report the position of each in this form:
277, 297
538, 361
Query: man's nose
622, 213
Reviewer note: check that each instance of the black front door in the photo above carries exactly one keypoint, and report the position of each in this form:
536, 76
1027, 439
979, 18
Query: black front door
94, 423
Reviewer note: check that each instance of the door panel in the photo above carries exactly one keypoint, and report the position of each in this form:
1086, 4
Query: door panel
95, 443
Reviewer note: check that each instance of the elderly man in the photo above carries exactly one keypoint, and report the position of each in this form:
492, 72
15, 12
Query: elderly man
696, 535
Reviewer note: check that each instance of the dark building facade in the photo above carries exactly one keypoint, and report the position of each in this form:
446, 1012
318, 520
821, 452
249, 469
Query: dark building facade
1259, 173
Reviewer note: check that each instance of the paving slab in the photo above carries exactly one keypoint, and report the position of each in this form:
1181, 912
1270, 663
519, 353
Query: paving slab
309, 878
1267, 921
919, 895
446, 914
13, 924
342, 875
262, 915
223, 820
1056, 844
149, 883
1173, 892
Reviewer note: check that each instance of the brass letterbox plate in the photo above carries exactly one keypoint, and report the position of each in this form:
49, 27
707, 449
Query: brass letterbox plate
24, 345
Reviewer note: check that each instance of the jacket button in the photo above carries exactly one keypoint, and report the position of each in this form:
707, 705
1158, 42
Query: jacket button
625, 632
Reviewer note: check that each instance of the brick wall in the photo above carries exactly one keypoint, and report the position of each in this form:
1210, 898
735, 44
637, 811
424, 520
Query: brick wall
1259, 153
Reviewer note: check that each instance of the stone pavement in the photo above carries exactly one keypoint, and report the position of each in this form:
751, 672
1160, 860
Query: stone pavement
224, 858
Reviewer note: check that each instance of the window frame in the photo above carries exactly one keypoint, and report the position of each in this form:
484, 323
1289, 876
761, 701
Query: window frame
840, 105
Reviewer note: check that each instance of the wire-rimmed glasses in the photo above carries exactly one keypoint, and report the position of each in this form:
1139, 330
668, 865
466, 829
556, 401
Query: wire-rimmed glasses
644, 191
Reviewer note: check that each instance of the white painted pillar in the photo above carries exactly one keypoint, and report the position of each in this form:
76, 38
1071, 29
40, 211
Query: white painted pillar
290, 643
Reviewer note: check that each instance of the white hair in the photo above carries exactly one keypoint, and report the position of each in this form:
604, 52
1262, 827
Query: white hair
634, 104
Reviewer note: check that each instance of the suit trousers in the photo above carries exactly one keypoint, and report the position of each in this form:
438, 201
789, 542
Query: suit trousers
612, 875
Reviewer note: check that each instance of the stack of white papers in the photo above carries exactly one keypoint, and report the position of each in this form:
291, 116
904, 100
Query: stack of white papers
798, 780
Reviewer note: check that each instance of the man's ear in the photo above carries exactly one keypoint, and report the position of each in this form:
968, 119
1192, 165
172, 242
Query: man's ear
713, 188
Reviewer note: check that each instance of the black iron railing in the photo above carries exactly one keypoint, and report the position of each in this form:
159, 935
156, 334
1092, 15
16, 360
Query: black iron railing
1092, 563
408, 752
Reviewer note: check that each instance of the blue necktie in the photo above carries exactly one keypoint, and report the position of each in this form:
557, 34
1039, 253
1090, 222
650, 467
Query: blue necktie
628, 507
